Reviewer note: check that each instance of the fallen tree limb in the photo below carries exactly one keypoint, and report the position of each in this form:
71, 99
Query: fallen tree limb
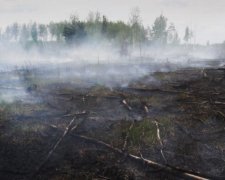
127, 106
219, 103
219, 112
75, 114
146, 109
127, 136
160, 141
151, 164
54, 147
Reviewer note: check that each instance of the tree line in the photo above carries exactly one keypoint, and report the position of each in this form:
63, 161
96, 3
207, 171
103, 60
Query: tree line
33, 32
98, 28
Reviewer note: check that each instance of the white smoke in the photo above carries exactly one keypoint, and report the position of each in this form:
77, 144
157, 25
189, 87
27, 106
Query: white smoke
89, 64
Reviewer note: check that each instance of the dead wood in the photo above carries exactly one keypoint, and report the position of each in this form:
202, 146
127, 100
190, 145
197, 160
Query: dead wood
146, 109
125, 103
127, 136
219, 112
68, 127
75, 114
150, 164
219, 103
160, 141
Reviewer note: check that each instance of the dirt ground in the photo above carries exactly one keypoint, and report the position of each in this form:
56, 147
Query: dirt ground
91, 133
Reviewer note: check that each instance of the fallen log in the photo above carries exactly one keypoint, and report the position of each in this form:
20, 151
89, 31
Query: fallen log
187, 174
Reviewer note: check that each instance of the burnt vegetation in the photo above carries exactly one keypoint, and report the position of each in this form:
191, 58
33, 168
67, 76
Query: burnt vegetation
133, 113
173, 129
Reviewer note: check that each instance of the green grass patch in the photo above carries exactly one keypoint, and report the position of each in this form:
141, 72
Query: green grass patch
143, 132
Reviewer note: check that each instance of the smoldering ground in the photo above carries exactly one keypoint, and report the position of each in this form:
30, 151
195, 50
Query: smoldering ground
93, 64
68, 107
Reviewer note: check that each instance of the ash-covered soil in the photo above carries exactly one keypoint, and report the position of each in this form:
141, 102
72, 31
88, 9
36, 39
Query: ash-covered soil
175, 119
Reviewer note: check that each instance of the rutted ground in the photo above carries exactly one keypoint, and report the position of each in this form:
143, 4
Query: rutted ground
179, 121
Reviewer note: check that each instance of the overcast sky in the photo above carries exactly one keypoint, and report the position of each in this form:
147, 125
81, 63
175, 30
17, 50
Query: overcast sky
205, 17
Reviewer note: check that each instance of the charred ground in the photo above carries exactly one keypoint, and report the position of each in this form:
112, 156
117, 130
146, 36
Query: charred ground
99, 132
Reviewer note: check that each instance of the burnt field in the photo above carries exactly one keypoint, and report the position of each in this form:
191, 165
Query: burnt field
161, 125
